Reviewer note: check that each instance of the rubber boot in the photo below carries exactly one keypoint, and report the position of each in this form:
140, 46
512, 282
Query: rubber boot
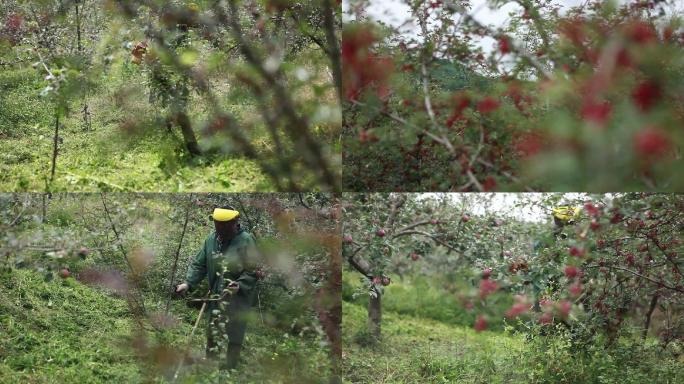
211, 355
232, 357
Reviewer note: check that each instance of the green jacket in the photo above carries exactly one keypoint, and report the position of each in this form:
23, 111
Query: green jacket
236, 261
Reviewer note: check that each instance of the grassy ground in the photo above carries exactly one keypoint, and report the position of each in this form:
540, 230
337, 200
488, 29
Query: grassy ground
66, 332
417, 348
106, 156
422, 350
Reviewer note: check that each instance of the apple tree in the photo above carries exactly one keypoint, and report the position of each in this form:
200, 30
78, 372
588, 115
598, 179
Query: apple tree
408, 233
615, 271
586, 98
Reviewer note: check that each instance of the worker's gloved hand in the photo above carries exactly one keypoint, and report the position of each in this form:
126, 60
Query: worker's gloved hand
233, 287
182, 288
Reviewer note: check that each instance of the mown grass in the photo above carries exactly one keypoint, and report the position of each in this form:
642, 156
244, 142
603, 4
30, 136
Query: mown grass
107, 157
63, 331
419, 296
422, 350
417, 348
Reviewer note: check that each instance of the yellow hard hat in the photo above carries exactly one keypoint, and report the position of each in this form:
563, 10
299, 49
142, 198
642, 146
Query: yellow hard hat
222, 214
566, 213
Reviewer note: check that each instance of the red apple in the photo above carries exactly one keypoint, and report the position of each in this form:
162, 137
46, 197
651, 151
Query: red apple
64, 273
595, 225
575, 289
414, 256
480, 323
386, 281
564, 307
616, 218
377, 280
465, 218
571, 271
574, 251
630, 259
546, 318
486, 273
591, 209
380, 232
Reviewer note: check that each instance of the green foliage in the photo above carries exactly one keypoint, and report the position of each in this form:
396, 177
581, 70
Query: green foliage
556, 359
416, 349
453, 76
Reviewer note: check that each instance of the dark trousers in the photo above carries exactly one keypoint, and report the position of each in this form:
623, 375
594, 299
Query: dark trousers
227, 327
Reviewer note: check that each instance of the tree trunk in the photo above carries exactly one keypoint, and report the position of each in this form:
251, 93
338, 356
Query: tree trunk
374, 315
44, 208
175, 261
188, 135
374, 307
55, 148
651, 308
78, 30
332, 50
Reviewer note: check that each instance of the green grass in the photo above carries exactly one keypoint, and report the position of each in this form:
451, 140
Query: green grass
83, 166
106, 157
416, 350
63, 331
421, 350
424, 297
428, 337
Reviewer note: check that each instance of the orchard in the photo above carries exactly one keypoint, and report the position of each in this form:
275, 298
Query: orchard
146, 95
88, 286
587, 278
585, 97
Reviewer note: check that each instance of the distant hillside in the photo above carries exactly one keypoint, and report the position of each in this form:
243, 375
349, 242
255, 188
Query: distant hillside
453, 76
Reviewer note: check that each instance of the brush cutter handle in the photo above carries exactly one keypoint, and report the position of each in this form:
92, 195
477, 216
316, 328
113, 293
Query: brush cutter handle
187, 346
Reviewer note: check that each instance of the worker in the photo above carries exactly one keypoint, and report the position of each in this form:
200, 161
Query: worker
228, 260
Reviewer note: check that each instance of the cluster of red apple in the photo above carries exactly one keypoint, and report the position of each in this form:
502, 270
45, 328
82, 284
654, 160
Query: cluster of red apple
363, 69
487, 286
